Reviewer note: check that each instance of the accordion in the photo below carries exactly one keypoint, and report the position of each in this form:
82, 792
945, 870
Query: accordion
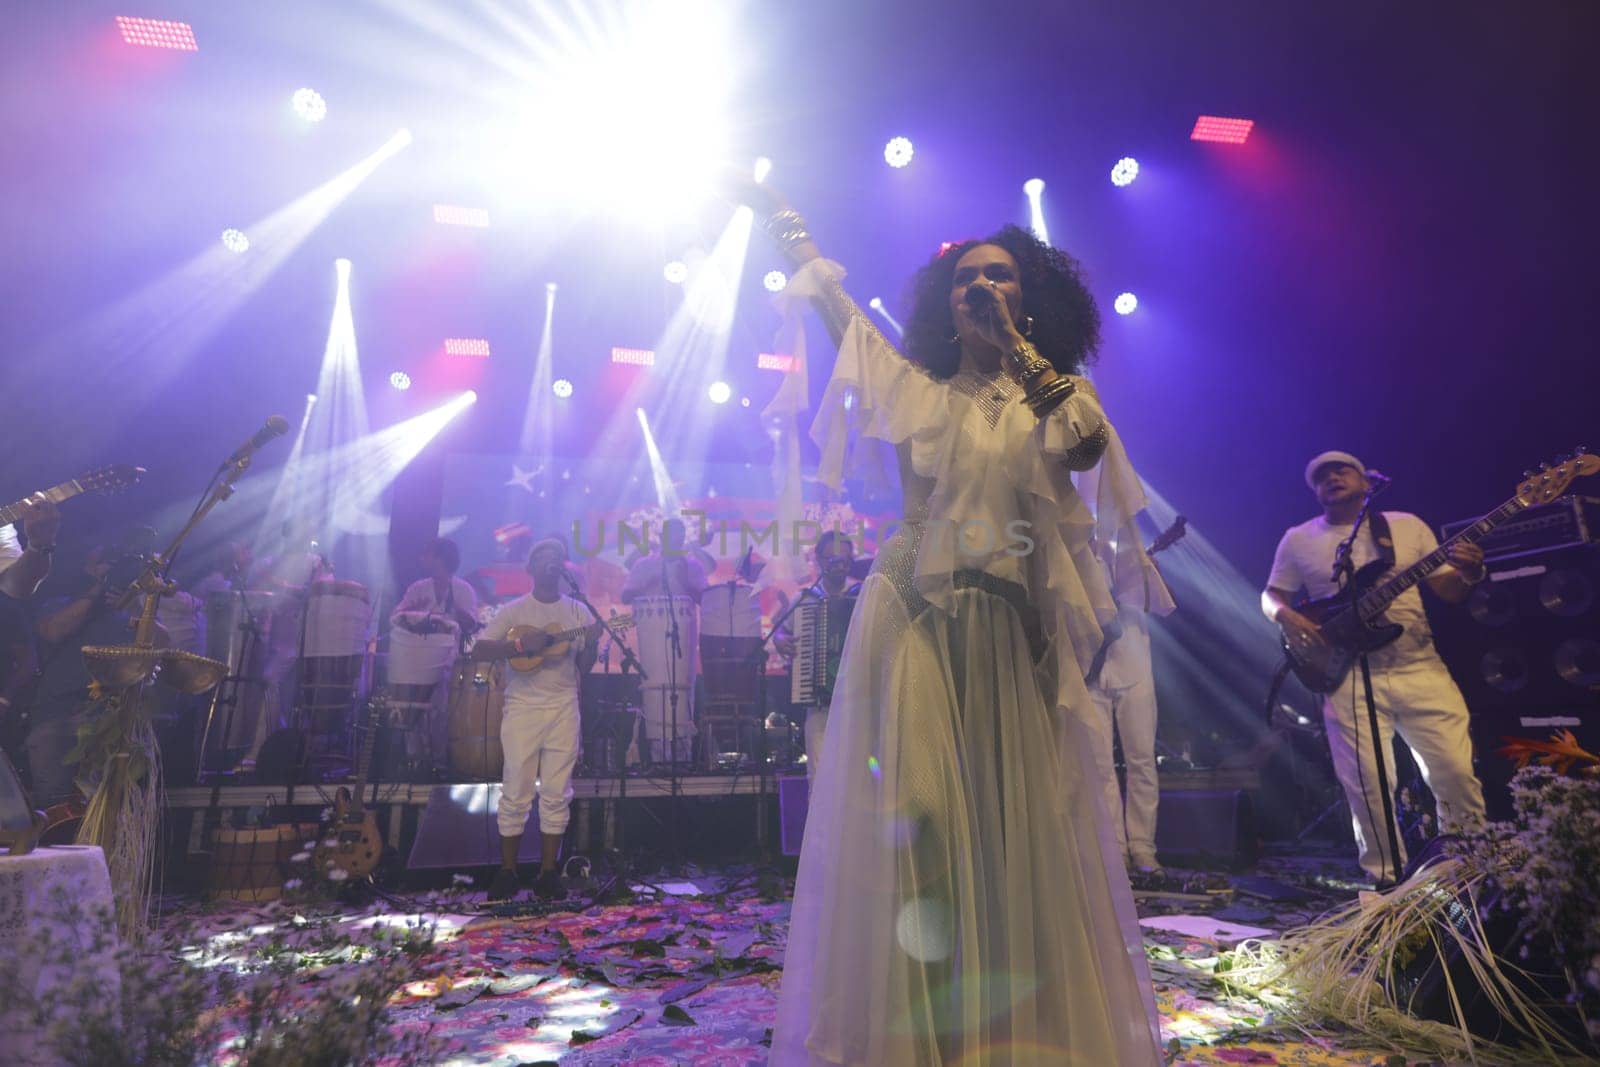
819, 629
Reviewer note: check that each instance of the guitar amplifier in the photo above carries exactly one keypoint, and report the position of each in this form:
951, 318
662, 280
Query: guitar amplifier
1570, 520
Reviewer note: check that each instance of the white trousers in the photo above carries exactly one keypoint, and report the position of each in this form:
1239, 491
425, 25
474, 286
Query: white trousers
1420, 701
541, 748
816, 729
1132, 710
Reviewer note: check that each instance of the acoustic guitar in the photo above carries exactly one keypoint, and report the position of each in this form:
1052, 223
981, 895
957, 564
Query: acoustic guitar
357, 843
1353, 621
111, 479
560, 642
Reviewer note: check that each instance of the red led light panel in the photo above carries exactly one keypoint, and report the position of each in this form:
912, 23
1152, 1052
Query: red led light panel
770, 361
466, 346
1220, 130
452, 215
157, 33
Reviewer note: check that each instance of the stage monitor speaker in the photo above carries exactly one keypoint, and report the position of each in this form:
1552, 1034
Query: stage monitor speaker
1206, 827
458, 830
794, 797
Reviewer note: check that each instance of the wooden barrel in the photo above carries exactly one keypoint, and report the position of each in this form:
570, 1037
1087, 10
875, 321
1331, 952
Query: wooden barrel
477, 694
251, 864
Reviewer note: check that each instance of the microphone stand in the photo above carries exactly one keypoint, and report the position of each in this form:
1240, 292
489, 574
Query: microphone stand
674, 782
1343, 573
629, 661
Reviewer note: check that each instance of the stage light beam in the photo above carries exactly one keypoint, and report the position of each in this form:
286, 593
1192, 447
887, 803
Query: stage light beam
1034, 187
1125, 304
1125, 171
720, 392
775, 281
235, 241
898, 152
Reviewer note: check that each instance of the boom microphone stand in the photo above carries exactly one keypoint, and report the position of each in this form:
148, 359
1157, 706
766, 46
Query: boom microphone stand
1343, 571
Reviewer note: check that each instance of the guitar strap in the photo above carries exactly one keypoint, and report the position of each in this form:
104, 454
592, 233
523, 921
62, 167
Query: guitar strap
1382, 538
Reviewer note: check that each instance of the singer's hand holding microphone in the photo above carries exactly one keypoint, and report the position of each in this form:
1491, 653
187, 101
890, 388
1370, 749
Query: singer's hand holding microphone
990, 314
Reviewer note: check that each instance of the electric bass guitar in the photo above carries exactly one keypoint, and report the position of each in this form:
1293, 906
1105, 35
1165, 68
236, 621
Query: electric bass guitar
1353, 622
560, 642
357, 843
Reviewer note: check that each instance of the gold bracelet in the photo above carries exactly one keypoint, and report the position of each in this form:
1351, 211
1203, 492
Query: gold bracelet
1047, 398
787, 228
1027, 364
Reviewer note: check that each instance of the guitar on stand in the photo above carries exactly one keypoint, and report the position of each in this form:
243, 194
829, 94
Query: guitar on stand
358, 844
1352, 621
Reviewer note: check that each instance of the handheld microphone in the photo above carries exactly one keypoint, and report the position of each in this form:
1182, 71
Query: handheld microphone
979, 298
276, 426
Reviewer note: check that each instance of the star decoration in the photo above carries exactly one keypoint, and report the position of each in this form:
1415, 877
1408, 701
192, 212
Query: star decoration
523, 479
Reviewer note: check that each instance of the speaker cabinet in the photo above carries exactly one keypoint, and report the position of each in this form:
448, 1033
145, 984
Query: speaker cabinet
1525, 649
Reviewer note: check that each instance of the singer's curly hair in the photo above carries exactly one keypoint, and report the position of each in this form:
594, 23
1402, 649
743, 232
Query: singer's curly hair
1066, 323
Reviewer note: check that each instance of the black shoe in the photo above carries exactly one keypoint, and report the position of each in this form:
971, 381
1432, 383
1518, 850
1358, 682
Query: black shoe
548, 886
504, 886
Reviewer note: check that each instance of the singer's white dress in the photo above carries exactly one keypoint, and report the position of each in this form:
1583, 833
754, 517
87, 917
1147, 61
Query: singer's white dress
959, 899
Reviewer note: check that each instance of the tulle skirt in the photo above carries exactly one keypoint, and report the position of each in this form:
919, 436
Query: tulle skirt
954, 903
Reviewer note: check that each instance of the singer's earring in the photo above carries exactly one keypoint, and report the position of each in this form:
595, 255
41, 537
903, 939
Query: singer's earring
1027, 325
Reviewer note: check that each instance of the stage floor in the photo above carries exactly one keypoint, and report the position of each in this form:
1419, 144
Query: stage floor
687, 971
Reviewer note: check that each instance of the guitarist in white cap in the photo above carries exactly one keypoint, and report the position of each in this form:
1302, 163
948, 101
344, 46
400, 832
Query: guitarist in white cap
1413, 692
540, 728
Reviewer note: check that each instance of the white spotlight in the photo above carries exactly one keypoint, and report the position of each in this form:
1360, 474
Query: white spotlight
1034, 187
898, 152
675, 272
719, 392
775, 280
876, 303
235, 241
763, 168
1125, 303
343, 267
562, 388
470, 396
1125, 171
309, 105
550, 287
311, 398
400, 380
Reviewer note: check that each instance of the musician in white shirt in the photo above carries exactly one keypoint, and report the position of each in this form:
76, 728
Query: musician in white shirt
1414, 693
440, 600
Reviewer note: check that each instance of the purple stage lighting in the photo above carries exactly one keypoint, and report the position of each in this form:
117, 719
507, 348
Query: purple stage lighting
1125, 171
898, 152
400, 380
235, 241
775, 280
562, 388
720, 392
1125, 303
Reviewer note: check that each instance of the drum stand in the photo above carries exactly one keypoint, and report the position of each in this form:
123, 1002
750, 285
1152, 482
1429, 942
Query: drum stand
231, 686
